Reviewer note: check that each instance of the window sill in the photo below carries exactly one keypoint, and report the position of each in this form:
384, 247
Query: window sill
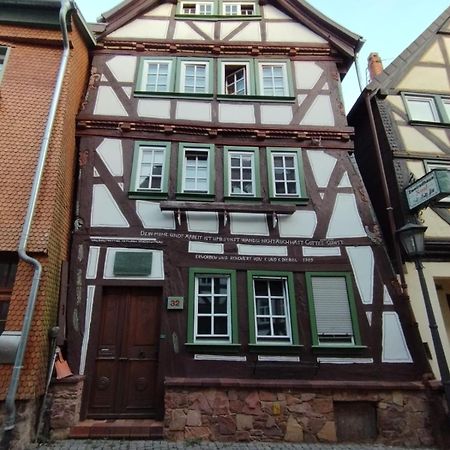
252, 98
200, 347
192, 196
242, 198
295, 200
181, 95
275, 348
429, 124
338, 349
144, 195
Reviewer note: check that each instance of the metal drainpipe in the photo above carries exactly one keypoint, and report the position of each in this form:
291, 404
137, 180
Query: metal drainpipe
384, 186
10, 406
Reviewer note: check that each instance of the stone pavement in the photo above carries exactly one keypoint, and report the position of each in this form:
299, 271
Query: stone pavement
165, 445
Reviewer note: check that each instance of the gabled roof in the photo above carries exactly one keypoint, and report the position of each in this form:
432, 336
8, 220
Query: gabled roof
339, 37
393, 73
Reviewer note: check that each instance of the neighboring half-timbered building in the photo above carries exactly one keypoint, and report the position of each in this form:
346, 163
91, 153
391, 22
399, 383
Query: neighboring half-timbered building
410, 106
227, 272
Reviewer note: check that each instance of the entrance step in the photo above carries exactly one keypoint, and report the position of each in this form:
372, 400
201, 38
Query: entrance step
118, 429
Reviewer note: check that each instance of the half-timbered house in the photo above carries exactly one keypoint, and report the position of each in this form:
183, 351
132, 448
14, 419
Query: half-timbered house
407, 107
227, 273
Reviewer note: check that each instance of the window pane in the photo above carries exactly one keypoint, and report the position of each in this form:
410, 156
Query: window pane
195, 78
204, 285
157, 78
279, 327
285, 174
151, 169
220, 285
220, 325
276, 288
422, 108
204, 325
204, 305
273, 79
235, 79
446, 103
220, 305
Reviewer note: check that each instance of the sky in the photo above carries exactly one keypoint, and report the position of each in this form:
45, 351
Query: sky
388, 27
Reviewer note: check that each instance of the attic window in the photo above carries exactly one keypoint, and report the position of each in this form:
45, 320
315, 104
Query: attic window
197, 8
238, 9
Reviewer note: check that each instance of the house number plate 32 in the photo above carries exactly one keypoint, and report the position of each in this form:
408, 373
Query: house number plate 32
175, 303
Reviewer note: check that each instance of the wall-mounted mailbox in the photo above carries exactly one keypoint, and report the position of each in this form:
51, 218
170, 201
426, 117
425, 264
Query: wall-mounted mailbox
9, 342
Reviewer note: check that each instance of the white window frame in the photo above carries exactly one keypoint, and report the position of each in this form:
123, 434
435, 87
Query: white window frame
193, 62
411, 100
245, 64
294, 155
153, 148
282, 339
238, 6
199, 11
145, 69
3, 58
240, 154
193, 149
283, 65
225, 338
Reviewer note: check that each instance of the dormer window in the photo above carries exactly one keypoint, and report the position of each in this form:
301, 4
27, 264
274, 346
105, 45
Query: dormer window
197, 8
238, 9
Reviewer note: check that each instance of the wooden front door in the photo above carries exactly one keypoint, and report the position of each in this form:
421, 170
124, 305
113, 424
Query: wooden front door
125, 353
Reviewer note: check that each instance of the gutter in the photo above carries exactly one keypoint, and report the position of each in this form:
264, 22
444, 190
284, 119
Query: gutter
67, 6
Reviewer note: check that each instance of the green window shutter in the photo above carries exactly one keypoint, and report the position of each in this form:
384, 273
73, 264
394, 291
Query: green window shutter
333, 315
133, 264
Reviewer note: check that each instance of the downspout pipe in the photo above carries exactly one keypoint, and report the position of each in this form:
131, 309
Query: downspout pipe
10, 403
387, 198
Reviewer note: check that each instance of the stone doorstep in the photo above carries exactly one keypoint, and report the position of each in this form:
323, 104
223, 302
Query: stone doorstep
117, 429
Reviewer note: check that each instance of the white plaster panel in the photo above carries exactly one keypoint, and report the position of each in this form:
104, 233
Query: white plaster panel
345, 221
200, 111
229, 113
92, 265
321, 251
110, 151
185, 33
202, 221
419, 79
320, 112
128, 91
300, 224
433, 54
87, 327
107, 103
142, 28
205, 247
270, 12
387, 300
123, 68
157, 272
164, 10
155, 108
152, 216
252, 33
291, 32
395, 349
249, 224
301, 99
322, 165
262, 250
206, 27
362, 261
105, 211
415, 141
226, 27
369, 317
307, 74
345, 181
103, 78
276, 114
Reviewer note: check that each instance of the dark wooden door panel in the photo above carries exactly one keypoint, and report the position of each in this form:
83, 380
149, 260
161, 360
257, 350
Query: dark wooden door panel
126, 354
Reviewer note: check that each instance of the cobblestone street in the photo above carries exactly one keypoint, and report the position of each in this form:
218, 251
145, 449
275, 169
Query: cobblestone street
164, 445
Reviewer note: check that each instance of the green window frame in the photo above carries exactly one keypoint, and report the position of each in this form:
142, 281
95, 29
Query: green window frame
274, 78
427, 108
236, 78
285, 172
196, 174
4, 51
208, 288
150, 171
332, 309
272, 309
195, 76
236, 171
156, 75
